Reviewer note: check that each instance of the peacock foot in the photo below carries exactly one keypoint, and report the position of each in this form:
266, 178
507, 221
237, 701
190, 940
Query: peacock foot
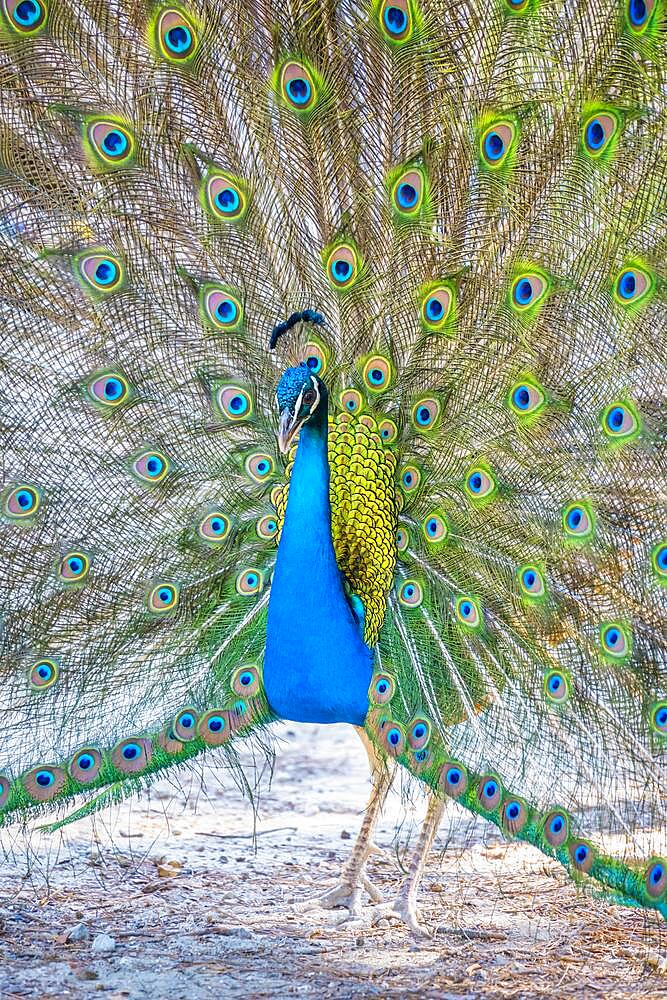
404, 910
348, 894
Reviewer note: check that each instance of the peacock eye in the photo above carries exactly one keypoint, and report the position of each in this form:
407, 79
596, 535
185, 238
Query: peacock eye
298, 87
225, 197
25, 16
342, 266
396, 20
632, 285
598, 131
176, 36
109, 143
309, 396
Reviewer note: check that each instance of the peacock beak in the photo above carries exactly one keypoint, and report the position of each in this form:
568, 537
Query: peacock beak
287, 428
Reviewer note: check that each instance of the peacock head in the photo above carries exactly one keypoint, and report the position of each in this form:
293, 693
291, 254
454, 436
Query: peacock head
300, 394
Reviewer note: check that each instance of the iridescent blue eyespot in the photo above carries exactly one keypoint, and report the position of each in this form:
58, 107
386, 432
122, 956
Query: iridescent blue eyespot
661, 558
44, 778
434, 309
581, 853
513, 810
637, 12
394, 736
132, 751
494, 147
106, 272
216, 723
85, 761
341, 269
27, 13
627, 284
594, 134
227, 311
299, 90
407, 195
574, 518
114, 143
454, 775
227, 201
556, 824
395, 20
523, 292
179, 39
521, 397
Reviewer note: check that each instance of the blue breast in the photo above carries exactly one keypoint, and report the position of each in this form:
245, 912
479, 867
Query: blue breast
317, 667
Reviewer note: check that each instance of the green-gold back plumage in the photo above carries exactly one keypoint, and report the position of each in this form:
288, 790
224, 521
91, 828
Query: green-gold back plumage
474, 199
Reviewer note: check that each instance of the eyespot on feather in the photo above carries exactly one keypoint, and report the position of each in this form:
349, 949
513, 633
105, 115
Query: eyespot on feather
43, 674
267, 527
298, 87
531, 583
225, 197
514, 815
73, 567
496, 142
163, 598
633, 285
388, 431
109, 389
616, 640
659, 717
655, 877
557, 686
151, 466
100, 272
453, 779
528, 290
480, 483
377, 374
582, 855
249, 583
85, 765
598, 131
132, 755
620, 422
214, 527
43, 783
435, 528
468, 612
259, 467
351, 400
556, 828
392, 738
578, 521
342, 266
425, 414
221, 309
410, 478
215, 727
21, 502
489, 791
234, 403
246, 681
526, 398
411, 594
396, 21
168, 742
5, 787
175, 36
407, 193
436, 307
110, 143
25, 17
419, 733
381, 689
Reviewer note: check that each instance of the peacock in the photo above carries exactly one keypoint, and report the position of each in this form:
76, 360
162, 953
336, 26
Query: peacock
333, 390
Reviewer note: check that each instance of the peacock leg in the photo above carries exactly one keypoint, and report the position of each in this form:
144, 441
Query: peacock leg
353, 879
404, 907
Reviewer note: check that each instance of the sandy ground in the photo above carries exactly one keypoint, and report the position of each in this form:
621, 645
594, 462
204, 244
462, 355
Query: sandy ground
198, 907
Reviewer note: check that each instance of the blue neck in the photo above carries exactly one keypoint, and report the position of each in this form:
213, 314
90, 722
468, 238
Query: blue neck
317, 667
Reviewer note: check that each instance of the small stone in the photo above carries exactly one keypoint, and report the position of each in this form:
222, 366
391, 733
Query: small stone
344, 835
77, 933
103, 944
